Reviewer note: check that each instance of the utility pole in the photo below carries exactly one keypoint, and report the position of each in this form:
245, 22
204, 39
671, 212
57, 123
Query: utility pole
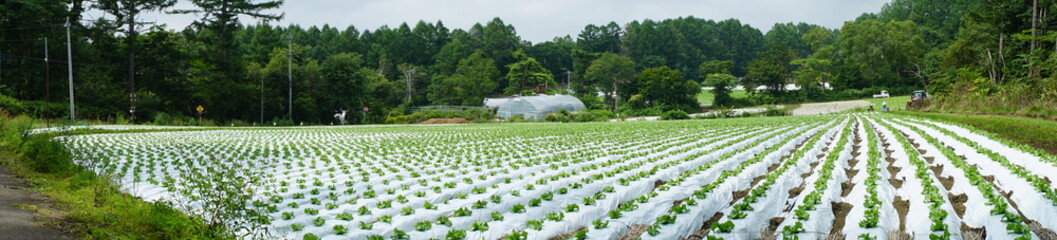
1034, 23
47, 85
131, 72
290, 76
567, 73
69, 68
262, 101
409, 74
616, 96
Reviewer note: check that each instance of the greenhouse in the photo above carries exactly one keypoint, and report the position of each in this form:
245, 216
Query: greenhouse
536, 107
494, 103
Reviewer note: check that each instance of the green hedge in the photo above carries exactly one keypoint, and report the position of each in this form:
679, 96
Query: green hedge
420, 116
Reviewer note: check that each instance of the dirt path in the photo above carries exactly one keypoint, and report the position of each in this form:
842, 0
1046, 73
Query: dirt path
828, 107
16, 222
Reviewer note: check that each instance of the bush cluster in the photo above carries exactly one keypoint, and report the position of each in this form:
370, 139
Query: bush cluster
675, 115
420, 116
581, 116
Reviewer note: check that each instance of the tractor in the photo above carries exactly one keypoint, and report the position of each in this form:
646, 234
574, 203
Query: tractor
917, 99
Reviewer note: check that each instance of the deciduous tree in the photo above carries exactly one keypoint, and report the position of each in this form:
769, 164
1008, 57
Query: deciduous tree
527, 74
609, 73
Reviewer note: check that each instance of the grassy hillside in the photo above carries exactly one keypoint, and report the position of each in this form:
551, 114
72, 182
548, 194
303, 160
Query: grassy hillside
1037, 133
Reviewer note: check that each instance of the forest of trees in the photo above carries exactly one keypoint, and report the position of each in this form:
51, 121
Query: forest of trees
987, 49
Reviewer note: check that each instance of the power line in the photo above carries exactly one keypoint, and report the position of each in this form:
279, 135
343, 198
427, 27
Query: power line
31, 27
21, 40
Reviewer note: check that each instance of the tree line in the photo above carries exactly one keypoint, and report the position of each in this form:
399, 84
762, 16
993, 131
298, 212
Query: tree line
241, 72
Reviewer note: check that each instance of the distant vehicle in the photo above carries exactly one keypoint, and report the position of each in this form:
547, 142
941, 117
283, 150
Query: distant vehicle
917, 99
884, 94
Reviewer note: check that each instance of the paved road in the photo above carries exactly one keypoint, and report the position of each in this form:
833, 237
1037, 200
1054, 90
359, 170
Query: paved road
16, 223
828, 107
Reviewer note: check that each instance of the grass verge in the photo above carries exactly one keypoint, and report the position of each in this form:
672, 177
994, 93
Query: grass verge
1037, 133
894, 102
94, 207
705, 97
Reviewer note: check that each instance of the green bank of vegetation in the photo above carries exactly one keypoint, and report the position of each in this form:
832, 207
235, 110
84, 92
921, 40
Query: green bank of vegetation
93, 203
975, 56
1036, 133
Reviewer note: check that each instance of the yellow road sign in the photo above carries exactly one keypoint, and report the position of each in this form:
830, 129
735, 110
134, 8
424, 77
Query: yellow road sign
200, 108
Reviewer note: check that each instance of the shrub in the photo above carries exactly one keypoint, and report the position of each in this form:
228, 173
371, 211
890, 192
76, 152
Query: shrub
556, 117
41, 109
603, 113
15, 130
11, 105
423, 115
631, 111
587, 116
592, 101
46, 156
674, 114
772, 112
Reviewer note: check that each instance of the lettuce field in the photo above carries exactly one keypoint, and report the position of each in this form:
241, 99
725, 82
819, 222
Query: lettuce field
851, 176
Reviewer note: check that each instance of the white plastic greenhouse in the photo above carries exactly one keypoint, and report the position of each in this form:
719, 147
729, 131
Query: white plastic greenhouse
536, 107
494, 103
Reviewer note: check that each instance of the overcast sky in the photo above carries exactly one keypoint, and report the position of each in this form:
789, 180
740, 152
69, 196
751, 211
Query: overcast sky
542, 20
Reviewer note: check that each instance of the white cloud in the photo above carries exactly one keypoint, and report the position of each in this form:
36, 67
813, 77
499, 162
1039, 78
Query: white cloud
541, 20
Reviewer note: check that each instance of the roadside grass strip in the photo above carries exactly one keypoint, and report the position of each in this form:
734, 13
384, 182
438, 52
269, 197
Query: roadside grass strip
1014, 224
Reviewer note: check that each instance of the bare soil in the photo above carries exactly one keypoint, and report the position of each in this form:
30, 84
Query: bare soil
969, 233
850, 172
958, 201
1043, 232
836, 236
705, 227
899, 235
893, 170
947, 182
737, 195
796, 191
938, 170
902, 208
897, 183
567, 235
840, 213
845, 188
636, 231
772, 227
658, 183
